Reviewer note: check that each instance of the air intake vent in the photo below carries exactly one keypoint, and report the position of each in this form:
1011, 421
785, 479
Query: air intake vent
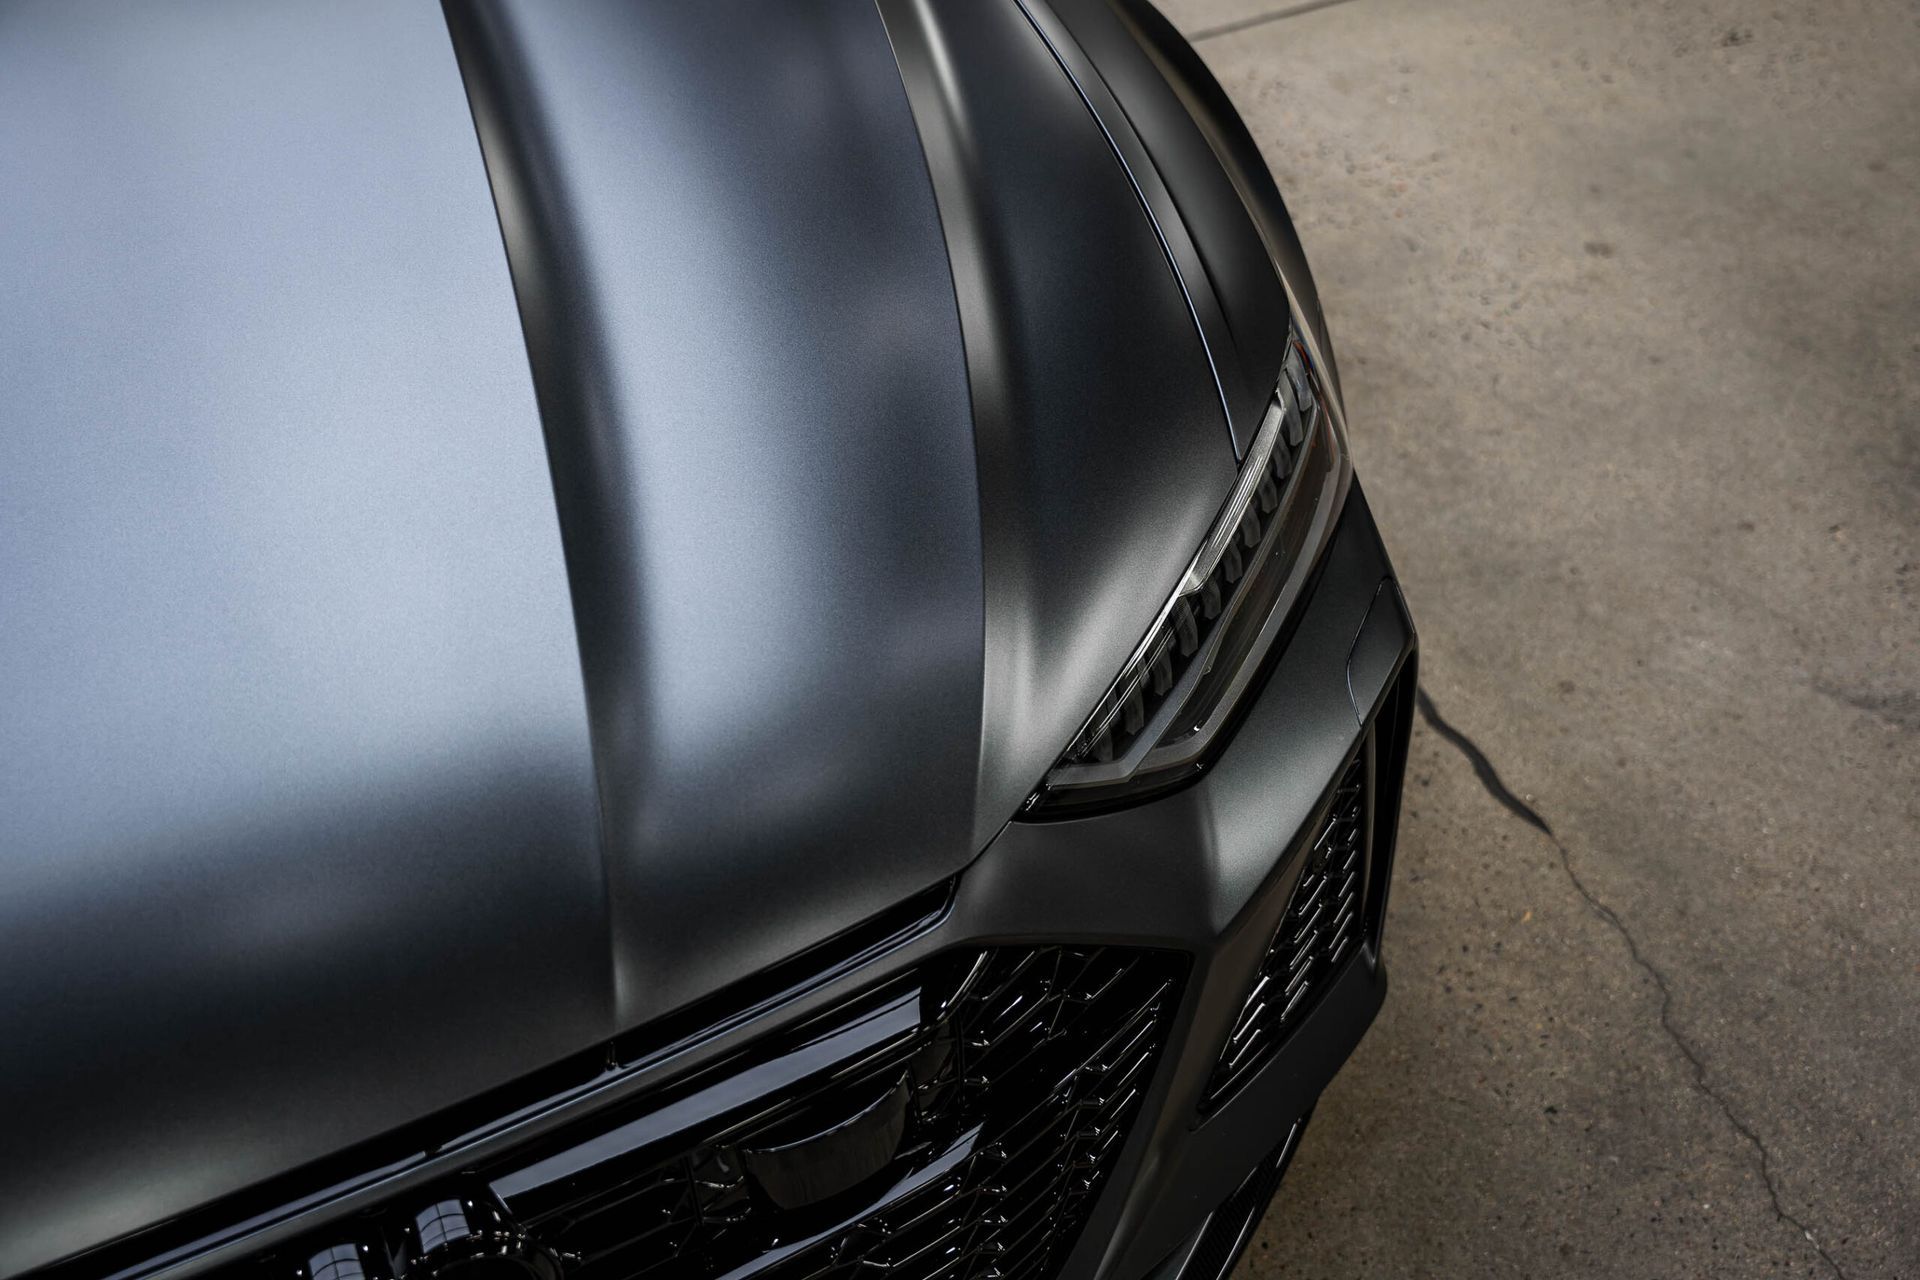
1322, 929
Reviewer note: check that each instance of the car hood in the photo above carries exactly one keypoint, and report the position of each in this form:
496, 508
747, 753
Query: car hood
463, 602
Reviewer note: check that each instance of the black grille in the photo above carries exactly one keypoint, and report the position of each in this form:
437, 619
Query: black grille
956, 1124
1320, 932
1019, 1082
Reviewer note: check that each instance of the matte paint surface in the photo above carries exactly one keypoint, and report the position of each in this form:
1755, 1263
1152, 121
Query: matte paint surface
296, 802
743, 332
1165, 102
311, 826
1103, 451
1227, 197
1205, 871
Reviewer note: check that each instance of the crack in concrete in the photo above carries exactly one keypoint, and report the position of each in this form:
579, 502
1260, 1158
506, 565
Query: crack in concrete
1260, 19
1490, 780
1483, 768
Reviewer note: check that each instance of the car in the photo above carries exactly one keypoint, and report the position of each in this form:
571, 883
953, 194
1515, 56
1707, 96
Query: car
675, 641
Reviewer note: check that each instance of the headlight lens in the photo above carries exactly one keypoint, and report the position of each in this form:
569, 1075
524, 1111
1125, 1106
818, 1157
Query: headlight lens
1178, 691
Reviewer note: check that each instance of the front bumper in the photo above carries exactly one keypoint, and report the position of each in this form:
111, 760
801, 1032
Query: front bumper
1210, 871
1204, 877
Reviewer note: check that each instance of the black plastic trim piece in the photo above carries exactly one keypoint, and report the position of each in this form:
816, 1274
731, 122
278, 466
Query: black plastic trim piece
1393, 732
786, 981
1229, 1229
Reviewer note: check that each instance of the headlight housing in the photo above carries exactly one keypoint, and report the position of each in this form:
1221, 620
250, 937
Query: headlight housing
1179, 690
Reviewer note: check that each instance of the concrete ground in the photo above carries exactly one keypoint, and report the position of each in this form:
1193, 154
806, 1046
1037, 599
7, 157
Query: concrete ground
1627, 301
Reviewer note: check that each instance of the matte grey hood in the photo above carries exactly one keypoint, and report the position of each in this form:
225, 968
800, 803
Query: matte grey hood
297, 816
420, 662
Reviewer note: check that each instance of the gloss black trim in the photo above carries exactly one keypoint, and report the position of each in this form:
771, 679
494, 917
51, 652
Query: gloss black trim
817, 966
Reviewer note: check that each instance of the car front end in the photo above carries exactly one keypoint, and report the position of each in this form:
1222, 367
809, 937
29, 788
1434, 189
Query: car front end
874, 745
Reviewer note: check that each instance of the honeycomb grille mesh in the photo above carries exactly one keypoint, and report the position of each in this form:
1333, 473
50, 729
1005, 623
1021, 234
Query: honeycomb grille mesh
1320, 932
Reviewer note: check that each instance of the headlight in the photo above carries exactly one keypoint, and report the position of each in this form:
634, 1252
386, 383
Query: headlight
1179, 690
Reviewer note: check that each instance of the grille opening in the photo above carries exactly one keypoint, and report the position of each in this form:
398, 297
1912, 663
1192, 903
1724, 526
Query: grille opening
1319, 933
